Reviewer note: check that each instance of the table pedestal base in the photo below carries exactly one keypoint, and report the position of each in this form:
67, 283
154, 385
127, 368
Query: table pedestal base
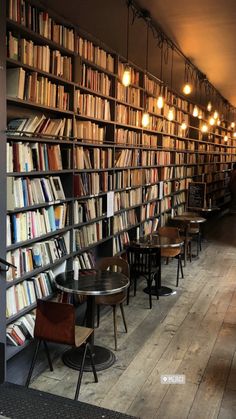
163, 291
103, 358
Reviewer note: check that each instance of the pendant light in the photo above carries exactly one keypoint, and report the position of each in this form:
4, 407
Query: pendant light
126, 78
204, 128
209, 106
160, 99
145, 116
195, 111
212, 120
187, 89
171, 113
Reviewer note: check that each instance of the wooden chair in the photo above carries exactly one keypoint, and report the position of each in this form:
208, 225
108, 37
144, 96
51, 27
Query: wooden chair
195, 231
117, 299
55, 322
172, 252
184, 227
144, 262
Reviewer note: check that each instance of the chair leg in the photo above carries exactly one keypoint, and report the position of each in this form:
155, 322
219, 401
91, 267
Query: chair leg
48, 355
190, 251
177, 279
115, 326
81, 373
128, 295
181, 267
156, 284
200, 242
91, 355
185, 253
33, 363
98, 315
123, 317
149, 283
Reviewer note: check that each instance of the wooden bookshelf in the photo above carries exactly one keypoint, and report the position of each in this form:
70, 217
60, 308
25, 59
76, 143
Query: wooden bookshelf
93, 140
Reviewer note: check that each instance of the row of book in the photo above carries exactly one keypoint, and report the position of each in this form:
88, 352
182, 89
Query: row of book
153, 87
92, 106
25, 293
19, 297
93, 158
166, 204
151, 192
40, 57
40, 125
40, 22
129, 94
94, 53
180, 158
120, 241
151, 209
180, 198
95, 80
89, 131
124, 220
127, 199
21, 330
125, 136
128, 116
84, 261
88, 210
136, 157
38, 255
152, 105
28, 157
24, 192
128, 178
150, 226
92, 233
32, 224
31, 87
92, 183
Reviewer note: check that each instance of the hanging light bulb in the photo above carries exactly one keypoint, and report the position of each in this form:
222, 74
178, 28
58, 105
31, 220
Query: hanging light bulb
145, 119
215, 115
209, 106
211, 121
234, 134
171, 114
126, 78
183, 126
232, 125
187, 89
226, 138
218, 121
195, 111
200, 115
160, 102
204, 128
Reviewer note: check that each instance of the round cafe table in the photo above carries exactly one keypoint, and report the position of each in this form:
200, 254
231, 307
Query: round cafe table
159, 242
91, 283
190, 218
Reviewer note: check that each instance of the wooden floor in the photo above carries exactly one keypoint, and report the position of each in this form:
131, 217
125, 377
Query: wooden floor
192, 332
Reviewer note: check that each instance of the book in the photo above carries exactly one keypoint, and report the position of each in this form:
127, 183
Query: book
15, 82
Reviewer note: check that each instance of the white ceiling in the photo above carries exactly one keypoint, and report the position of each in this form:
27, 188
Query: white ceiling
205, 30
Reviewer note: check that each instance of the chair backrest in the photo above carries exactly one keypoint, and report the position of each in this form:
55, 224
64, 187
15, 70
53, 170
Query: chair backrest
171, 232
141, 259
182, 225
55, 322
114, 263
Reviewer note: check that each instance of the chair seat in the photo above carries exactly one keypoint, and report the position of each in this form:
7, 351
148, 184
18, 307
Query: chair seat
82, 334
170, 252
110, 300
194, 230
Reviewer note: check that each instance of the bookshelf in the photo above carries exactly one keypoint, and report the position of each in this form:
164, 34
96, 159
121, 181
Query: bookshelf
74, 134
